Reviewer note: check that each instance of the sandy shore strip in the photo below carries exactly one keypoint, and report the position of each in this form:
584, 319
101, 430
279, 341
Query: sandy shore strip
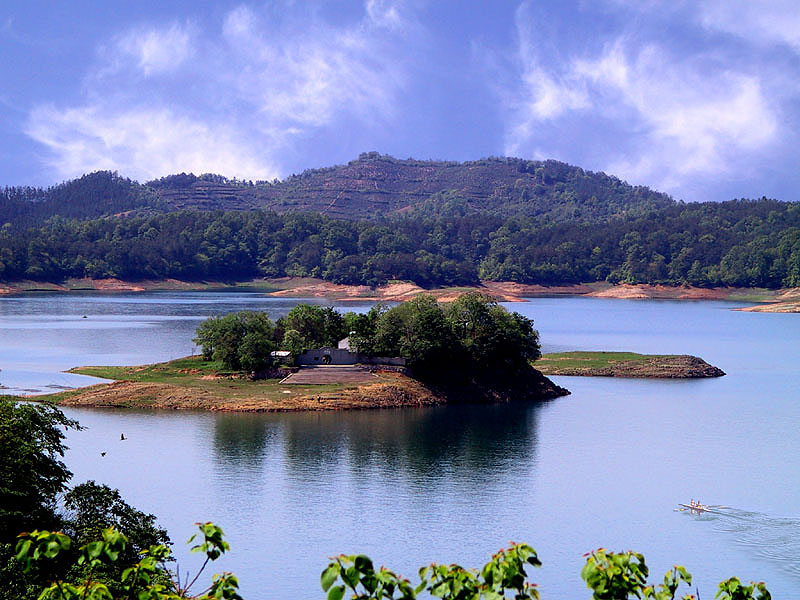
782, 300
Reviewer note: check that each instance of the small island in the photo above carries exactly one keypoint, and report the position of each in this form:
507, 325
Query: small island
193, 383
419, 353
627, 364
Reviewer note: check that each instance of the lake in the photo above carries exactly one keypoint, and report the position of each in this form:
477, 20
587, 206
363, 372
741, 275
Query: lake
605, 466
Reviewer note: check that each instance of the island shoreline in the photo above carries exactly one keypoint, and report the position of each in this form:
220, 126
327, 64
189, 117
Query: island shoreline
192, 384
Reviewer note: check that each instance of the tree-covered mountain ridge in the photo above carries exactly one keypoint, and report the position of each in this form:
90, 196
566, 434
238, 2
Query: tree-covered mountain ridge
371, 186
577, 227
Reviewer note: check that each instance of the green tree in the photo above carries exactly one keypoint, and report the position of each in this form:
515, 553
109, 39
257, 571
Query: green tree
318, 326
361, 328
32, 474
242, 340
419, 331
495, 340
294, 343
91, 508
32, 479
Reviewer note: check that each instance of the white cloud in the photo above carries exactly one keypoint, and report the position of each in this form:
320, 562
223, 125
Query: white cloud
545, 95
142, 143
240, 23
385, 13
230, 100
764, 21
157, 51
546, 99
693, 116
679, 116
310, 76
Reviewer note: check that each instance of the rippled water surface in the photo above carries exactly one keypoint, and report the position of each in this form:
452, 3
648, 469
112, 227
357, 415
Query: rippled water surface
605, 466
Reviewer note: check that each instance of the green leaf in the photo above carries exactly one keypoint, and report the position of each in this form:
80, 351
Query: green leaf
329, 575
23, 546
112, 554
363, 563
336, 593
93, 549
52, 550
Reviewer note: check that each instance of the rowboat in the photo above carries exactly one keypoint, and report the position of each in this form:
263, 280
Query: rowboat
696, 507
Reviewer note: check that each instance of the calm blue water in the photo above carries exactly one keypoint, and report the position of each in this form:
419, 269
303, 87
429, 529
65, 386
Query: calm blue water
605, 466
44, 334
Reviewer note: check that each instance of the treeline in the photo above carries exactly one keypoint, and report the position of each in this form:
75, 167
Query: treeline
94, 195
738, 243
748, 243
470, 339
238, 245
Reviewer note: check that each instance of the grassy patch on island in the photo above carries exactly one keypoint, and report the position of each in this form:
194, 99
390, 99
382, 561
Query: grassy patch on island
626, 364
192, 383
209, 377
555, 363
179, 370
189, 382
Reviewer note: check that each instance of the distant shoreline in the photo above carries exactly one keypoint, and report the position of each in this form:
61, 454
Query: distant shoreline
781, 300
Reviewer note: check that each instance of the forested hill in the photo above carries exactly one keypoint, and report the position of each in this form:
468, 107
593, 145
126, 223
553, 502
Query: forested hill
98, 194
735, 243
433, 223
373, 185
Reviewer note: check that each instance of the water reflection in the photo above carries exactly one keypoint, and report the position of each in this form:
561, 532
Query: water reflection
421, 444
242, 439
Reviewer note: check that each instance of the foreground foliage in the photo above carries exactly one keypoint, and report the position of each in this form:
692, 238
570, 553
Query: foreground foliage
609, 575
33, 481
147, 579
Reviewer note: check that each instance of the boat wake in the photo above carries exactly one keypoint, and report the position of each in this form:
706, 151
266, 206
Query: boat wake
775, 539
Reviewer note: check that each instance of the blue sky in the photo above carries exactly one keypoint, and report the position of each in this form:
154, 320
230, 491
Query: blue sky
700, 99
